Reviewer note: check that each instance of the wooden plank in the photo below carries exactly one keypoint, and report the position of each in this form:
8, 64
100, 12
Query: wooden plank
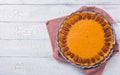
47, 66
41, 13
59, 2
25, 48
36, 66
23, 31
26, 31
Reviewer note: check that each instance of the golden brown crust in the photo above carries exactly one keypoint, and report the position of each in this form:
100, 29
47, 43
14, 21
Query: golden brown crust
101, 54
108, 39
103, 23
106, 28
107, 43
67, 25
63, 45
105, 49
93, 16
83, 61
97, 18
84, 16
97, 57
88, 61
64, 32
88, 16
65, 49
79, 60
75, 58
72, 55
93, 59
68, 53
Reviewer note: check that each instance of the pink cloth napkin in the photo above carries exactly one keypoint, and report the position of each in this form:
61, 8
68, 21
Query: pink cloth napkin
52, 26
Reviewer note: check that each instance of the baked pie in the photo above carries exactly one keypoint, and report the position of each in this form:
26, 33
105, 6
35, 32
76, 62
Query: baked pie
85, 38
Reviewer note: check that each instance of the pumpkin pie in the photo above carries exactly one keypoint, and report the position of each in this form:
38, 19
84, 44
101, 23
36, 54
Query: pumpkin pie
85, 38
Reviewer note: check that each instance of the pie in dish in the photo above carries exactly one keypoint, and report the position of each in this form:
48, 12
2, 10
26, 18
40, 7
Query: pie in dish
85, 38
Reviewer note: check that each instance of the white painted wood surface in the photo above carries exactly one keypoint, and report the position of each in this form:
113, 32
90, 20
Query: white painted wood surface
25, 47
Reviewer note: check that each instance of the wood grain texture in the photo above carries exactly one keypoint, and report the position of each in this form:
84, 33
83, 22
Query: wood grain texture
42, 13
27, 31
37, 48
36, 66
82, 2
23, 31
47, 66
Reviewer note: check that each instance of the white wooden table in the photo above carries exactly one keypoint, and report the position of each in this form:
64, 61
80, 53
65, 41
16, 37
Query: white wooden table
25, 47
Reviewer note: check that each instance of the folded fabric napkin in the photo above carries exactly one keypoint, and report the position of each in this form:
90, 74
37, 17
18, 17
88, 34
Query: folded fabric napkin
52, 26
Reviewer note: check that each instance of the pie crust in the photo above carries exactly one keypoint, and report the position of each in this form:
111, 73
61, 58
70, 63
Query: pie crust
85, 38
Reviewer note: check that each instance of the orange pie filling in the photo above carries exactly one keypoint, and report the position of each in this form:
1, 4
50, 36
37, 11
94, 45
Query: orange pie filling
85, 38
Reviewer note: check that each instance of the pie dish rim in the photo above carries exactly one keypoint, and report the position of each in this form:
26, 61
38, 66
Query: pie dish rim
91, 66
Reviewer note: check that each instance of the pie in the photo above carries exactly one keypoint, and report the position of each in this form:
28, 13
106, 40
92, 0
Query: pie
85, 38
